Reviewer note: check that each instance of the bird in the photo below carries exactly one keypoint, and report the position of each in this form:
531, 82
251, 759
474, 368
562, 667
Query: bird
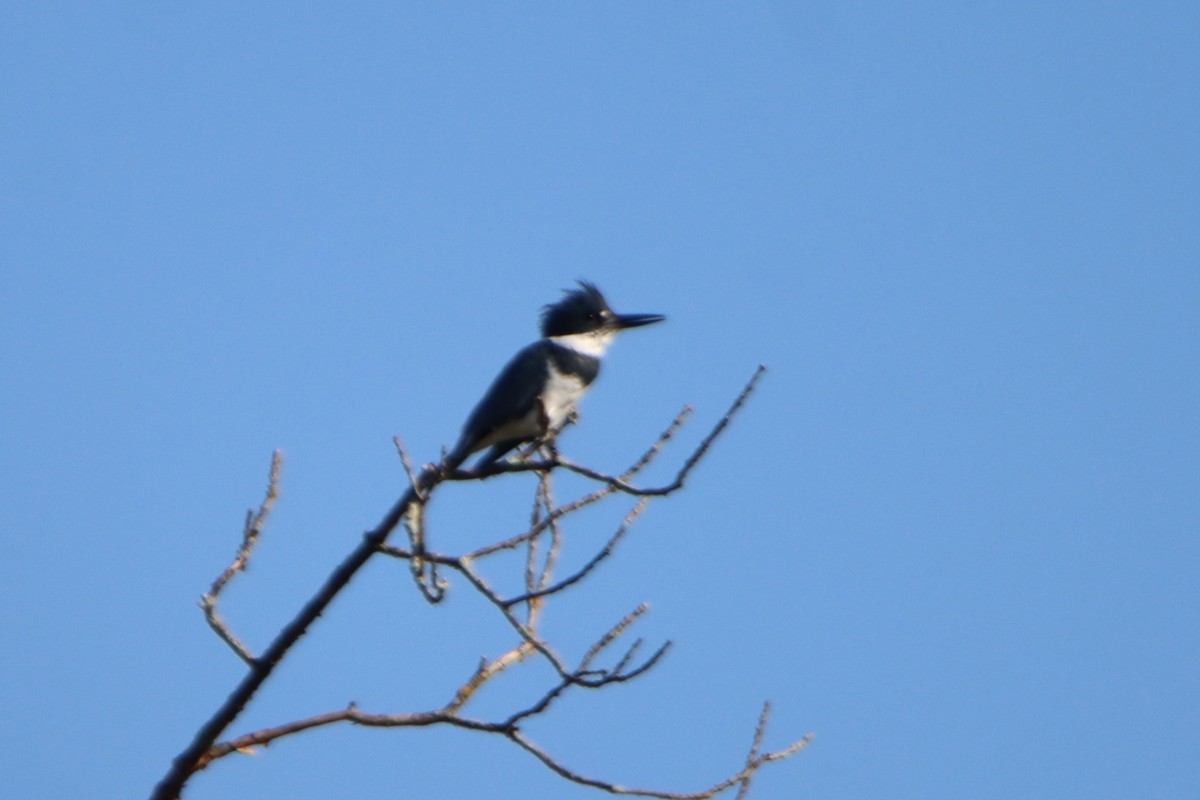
536, 392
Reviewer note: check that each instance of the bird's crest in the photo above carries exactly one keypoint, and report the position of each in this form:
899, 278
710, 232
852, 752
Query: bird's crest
579, 311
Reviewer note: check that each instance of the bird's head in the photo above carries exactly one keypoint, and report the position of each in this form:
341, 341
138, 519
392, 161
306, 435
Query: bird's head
585, 311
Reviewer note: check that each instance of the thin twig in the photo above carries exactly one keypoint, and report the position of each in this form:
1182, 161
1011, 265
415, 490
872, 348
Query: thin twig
406, 462
609, 548
531, 547
692, 460
755, 746
253, 527
613, 634
465, 567
517, 540
424, 574
556, 538
485, 672
613, 788
655, 448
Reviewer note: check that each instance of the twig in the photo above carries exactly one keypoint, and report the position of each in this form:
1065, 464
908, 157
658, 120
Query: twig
516, 541
352, 714
251, 530
424, 574
485, 672
406, 462
582, 502
556, 538
465, 567
531, 546
620, 483
655, 448
614, 788
755, 746
613, 634
608, 549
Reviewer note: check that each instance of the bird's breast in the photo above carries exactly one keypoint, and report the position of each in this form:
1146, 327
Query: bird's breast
562, 392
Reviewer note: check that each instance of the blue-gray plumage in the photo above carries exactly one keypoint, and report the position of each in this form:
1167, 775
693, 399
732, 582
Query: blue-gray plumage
538, 389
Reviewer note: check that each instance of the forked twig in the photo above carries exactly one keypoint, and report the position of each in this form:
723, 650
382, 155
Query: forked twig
609, 547
251, 530
621, 483
615, 788
755, 746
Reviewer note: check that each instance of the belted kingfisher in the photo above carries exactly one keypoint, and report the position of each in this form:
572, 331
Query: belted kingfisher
538, 389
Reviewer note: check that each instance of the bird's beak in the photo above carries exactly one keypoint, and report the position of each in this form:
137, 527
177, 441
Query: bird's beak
637, 320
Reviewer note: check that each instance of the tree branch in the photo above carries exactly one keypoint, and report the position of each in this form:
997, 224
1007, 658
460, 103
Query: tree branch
592, 563
560, 769
251, 530
189, 761
538, 585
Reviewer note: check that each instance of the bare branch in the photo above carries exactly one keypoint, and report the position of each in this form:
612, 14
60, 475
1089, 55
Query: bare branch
657, 447
608, 549
588, 677
755, 746
406, 462
425, 575
613, 788
618, 673
556, 538
569, 508
531, 546
527, 465
508, 728
485, 672
539, 583
465, 567
540, 706
621, 484
189, 760
613, 634
405, 554
264, 737
222, 630
516, 541
251, 530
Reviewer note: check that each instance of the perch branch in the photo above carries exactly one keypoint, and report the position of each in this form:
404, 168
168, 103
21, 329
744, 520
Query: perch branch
621, 484
538, 584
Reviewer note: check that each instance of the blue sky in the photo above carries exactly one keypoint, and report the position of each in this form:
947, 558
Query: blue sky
955, 534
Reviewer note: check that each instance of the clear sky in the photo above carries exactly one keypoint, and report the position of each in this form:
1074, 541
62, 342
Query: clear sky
955, 534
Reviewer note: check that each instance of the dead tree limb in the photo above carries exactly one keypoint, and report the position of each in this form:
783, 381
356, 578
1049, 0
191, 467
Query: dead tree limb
425, 564
251, 530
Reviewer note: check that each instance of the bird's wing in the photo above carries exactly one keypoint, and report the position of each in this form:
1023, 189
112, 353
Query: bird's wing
510, 397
